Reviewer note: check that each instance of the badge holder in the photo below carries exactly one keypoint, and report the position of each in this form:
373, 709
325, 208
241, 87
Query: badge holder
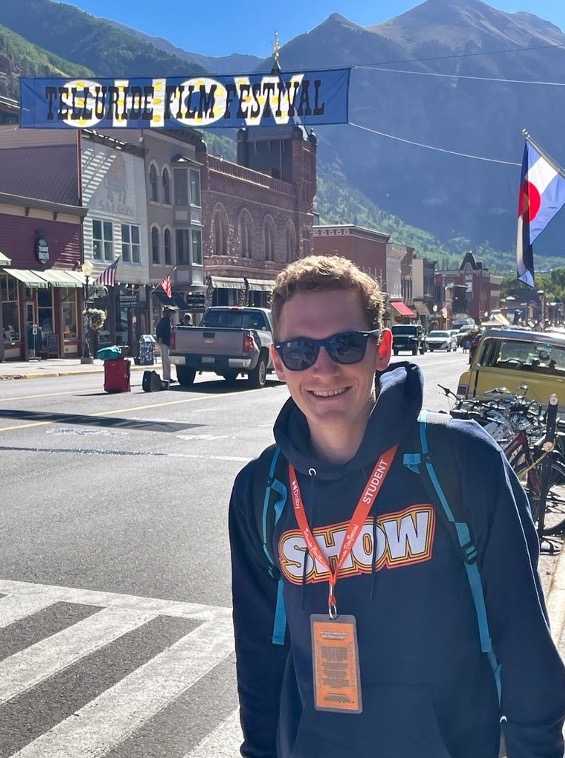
335, 658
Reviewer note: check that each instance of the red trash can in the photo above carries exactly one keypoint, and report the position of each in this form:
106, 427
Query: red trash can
116, 375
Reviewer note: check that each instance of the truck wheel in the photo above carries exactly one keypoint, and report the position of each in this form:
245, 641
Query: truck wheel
258, 376
185, 376
230, 376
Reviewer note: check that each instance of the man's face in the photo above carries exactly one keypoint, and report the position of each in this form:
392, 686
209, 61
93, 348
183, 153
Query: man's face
332, 396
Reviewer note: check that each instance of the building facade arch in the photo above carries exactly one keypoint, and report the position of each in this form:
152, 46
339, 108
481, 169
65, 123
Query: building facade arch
245, 233
269, 237
153, 173
220, 230
154, 240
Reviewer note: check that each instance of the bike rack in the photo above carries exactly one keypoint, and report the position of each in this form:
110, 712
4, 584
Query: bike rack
547, 545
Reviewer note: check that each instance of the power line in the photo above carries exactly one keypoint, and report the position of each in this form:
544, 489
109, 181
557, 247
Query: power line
461, 55
461, 76
437, 149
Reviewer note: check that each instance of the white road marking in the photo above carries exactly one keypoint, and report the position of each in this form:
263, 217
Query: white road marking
119, 711
116, 600
16, 607
27, 668
223, 742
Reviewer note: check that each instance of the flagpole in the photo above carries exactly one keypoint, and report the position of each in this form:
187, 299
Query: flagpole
158, 285
541, 151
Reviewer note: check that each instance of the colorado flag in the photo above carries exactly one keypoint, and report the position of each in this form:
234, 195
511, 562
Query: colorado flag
542, 194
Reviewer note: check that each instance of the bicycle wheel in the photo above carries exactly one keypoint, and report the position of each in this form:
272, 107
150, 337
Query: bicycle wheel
555, 499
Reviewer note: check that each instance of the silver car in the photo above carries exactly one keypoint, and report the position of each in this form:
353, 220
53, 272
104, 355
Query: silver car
441, 340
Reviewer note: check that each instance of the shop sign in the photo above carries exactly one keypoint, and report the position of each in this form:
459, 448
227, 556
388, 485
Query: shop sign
42, 250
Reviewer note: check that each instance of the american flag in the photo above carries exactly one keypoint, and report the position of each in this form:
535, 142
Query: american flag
108, 276
167, 286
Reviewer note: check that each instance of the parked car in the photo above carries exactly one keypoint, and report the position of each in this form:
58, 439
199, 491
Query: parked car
455, 334
439, 339
513, 357
409, 337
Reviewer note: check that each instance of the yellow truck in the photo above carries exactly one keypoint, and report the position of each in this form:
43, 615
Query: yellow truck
514, 357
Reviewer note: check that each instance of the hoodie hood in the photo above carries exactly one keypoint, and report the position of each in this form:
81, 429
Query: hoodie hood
398, 404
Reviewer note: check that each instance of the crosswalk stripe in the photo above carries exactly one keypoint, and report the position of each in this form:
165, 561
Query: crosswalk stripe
119, 711
28, 667
16, 607
59, 594
223, 742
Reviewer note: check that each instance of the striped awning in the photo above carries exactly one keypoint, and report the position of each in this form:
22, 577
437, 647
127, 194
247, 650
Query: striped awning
29, 278
227, 283
266, 285
57, 278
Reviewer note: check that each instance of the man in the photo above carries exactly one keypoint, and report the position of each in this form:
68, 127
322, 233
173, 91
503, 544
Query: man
163, 334
397, 620
187, 320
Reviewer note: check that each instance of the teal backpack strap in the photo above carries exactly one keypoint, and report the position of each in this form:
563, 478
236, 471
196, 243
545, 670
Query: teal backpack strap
269, 499
456, 523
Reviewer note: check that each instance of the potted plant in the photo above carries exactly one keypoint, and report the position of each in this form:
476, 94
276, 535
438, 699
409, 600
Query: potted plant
94, 320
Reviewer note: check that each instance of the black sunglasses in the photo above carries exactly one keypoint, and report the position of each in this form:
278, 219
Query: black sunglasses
346, 347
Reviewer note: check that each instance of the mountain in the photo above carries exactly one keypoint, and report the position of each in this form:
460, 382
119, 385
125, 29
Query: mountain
18, 57
227, 64
438, 100
438, 44
94, 43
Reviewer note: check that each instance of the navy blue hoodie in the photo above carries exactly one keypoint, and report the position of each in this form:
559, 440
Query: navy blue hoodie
427, 690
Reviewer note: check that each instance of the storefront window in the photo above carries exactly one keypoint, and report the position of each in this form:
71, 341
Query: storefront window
45, 310
69, 313
10, 309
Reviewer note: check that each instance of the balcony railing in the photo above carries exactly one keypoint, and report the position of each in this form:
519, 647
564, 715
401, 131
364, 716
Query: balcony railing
228, 168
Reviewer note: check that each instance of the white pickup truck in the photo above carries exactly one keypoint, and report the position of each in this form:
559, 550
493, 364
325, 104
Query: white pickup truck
229, 341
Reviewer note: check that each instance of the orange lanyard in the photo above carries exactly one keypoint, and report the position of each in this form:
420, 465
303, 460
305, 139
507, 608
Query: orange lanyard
364, 505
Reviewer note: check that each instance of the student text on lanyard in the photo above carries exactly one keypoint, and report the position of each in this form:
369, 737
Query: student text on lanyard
362, 510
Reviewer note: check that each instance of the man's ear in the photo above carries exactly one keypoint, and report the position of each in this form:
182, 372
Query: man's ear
384, 349
278, 364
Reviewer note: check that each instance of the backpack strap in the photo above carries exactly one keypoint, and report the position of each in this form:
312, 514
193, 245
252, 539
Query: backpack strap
268, 504
437, 431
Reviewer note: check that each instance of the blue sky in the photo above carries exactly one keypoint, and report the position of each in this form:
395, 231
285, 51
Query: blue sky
248, 26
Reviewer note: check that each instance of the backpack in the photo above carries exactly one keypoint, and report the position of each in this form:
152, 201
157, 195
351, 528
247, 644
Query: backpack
270, 495
151, 382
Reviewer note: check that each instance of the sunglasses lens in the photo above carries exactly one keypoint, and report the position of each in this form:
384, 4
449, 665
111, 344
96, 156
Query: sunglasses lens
348, 348
345, 348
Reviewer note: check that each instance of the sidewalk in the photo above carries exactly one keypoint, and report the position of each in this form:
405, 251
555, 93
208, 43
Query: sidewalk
57, 367
552, 566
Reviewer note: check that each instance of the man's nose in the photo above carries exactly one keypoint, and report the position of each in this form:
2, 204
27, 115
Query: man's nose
324, 363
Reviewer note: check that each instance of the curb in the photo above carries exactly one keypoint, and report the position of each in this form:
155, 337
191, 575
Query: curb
556, 599
54, 374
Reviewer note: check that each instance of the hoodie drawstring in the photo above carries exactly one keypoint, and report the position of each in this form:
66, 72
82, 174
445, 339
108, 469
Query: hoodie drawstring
312, 473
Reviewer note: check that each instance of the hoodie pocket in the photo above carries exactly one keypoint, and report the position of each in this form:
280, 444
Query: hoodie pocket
397, 722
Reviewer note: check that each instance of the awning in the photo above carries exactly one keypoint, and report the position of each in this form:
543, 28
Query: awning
29, 278
500, 318
402, 309
57, 278
180, 302
4, 260
79, 276
227, 283
261, 284
162, 296
421, 308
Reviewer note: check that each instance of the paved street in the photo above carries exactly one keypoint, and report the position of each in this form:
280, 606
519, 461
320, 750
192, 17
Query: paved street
115, 620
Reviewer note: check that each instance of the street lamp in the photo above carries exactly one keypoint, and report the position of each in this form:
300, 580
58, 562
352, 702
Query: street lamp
87, 268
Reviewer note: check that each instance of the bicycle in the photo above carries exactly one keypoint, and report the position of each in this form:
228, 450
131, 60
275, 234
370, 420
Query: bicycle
518, 425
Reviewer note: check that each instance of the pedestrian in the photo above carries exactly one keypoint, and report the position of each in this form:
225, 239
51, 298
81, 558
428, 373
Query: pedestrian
187, 320
399, 604
163, 335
